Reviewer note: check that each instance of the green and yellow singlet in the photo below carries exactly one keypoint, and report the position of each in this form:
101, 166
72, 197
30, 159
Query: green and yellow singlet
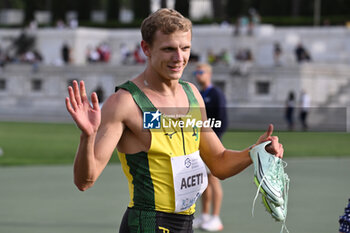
150, 174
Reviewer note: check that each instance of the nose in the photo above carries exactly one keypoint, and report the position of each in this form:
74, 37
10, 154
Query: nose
178, 56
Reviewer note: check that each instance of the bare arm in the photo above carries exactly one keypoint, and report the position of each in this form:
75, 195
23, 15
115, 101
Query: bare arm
222, 162
99, 137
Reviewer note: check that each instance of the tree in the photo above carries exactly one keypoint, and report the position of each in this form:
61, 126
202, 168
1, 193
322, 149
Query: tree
295, 8
183, 6
163, 4
59, 9
234, 8
275, 8
84, 9
29, 9
217, 6
141, 8
8, 4
113, 7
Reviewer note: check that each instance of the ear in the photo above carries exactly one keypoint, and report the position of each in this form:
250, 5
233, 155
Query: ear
146, 48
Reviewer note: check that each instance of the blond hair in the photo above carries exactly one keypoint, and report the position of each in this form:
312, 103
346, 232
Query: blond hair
167, 21
206, 66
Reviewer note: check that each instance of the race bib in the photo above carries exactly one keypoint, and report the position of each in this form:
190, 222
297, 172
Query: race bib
190, 179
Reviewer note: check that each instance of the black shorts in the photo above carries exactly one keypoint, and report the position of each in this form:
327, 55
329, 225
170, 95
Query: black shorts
146, 221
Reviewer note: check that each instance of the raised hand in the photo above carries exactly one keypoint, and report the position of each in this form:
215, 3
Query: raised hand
274, 147
87, 117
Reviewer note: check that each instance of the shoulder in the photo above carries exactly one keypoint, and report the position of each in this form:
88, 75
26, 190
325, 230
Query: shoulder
217, 93
119, 106
119, 97
196, 94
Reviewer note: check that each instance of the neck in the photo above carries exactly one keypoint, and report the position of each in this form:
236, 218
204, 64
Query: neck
159, 84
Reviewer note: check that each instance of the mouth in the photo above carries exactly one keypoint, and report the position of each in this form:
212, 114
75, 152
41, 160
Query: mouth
175, 68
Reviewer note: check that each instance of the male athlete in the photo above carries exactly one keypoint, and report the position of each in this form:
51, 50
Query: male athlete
162, 162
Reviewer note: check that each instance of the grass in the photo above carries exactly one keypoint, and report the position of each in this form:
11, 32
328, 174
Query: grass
48, 143
38, 143
297, 144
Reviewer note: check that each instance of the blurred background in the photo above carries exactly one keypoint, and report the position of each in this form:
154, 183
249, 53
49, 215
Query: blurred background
261, 51
272, 59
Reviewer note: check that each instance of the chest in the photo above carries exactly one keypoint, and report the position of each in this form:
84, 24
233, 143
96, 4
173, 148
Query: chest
177, 104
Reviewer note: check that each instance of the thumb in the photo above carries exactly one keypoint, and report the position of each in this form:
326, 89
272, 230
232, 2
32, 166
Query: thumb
269, 131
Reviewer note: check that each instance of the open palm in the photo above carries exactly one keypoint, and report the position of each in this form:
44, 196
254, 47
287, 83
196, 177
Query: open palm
87, 117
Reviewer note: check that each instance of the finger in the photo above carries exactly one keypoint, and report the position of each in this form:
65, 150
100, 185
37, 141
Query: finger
276, 147
267, 135
69, 106
83, 91
280, 152
76, 92
94, 100
274, 143
72, 98
274, 139
269, 131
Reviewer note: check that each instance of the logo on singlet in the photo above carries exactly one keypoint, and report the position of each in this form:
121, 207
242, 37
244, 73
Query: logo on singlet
165, 230
151, 120
170, 134
195, 132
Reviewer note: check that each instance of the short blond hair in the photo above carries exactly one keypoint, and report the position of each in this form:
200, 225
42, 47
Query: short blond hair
205, 66
167, 21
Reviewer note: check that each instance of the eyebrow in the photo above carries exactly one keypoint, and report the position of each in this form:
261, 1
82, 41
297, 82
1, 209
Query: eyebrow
174, 47
168, 47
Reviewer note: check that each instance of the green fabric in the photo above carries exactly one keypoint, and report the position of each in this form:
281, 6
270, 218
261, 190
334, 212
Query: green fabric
140, 98
142, 180
141, 221
188, 90
145, 104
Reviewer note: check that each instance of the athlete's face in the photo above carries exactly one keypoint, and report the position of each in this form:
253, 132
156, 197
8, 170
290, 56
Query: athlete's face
169, 54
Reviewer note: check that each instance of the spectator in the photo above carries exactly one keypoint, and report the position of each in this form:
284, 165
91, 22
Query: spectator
304, 109
60, 24
73, 23
33, 25
289, 113
225, 57
104, 52
255, 16
212, 59
125, 54
38, 58
237, 28
215, 104
65, 53
100, 95
92, 55
139, 56
302, 55
2, 59
277, 52
244, 62
250, 29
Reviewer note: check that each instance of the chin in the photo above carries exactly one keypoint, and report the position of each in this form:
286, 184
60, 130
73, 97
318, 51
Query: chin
175, 76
